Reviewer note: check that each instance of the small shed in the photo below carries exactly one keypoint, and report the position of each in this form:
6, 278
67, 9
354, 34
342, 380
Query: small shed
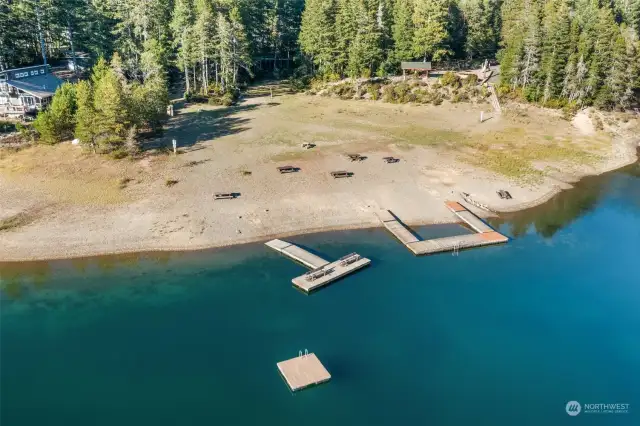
415, 66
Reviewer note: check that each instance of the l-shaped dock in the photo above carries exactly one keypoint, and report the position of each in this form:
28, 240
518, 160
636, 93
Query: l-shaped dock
485, 235
322, 271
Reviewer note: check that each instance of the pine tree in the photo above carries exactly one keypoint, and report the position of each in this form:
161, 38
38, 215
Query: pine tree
480, 37
233, 48
403, 30
605, 34
431, 38
205, 35
111, 112
365, 53
346, 30
58, 121
556, 47
512, 42
317, 35
85, 129
618, 88
181, 25
530, 61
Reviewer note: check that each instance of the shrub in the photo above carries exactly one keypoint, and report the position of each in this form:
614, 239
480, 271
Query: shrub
423, 96
471, 80
570, 110
388, 94
401, 93
450, 79
170, 182
343, 90
119, 153
26, 132
374, 91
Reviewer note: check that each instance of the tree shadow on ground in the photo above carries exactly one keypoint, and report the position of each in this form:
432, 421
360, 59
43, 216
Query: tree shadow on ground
192, 127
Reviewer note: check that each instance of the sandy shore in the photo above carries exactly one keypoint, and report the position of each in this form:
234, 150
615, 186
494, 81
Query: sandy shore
83, 206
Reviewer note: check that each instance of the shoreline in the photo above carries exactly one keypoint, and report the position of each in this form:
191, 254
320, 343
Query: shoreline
302, 231
78, 206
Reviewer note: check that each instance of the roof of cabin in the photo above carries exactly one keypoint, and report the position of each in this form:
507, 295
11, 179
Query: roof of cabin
416, 65
40, 86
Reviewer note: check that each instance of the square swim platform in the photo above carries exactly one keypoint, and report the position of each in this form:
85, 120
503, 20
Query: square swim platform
303, 371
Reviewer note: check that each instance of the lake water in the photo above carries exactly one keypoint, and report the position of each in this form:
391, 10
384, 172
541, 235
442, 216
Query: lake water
501, 335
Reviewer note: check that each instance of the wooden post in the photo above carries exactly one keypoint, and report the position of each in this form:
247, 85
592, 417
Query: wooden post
175, 146
481, 116
404, 74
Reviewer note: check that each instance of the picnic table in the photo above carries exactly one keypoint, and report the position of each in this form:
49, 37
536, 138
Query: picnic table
224, 195
341, 174
355, 157
287, 169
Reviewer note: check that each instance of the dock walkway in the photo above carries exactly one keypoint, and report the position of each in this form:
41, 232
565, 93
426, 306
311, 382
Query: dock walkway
298, 254
485, 235
322, 271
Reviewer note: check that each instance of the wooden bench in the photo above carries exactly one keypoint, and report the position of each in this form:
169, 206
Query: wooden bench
287, 169
355, 157
224, 195
341, 174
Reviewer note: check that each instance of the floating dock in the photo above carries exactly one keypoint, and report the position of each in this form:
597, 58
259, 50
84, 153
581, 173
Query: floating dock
485, 235
322, 271
303, 371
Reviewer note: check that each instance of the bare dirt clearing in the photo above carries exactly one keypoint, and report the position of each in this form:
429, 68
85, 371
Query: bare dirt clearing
89, 204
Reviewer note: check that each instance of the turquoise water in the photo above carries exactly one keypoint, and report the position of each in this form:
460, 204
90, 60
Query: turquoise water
495, 336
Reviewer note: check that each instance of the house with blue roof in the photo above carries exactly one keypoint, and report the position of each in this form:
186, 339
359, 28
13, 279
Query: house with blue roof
25, 91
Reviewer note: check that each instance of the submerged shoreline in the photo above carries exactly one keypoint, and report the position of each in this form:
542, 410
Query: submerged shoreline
100, 252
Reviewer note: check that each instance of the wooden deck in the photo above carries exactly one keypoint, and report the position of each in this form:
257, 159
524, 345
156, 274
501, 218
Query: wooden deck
333, 270
322, 271
298, 254
303, 371
485, 234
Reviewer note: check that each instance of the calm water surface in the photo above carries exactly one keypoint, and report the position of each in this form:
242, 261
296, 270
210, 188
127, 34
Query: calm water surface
496, 336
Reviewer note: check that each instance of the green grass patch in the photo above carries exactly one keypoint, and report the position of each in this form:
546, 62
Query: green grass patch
516, 160
420, 136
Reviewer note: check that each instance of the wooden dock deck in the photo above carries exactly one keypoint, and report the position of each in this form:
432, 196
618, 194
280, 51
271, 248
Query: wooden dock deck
485, 235
322, 271
329, 273
303, 371
298, 254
